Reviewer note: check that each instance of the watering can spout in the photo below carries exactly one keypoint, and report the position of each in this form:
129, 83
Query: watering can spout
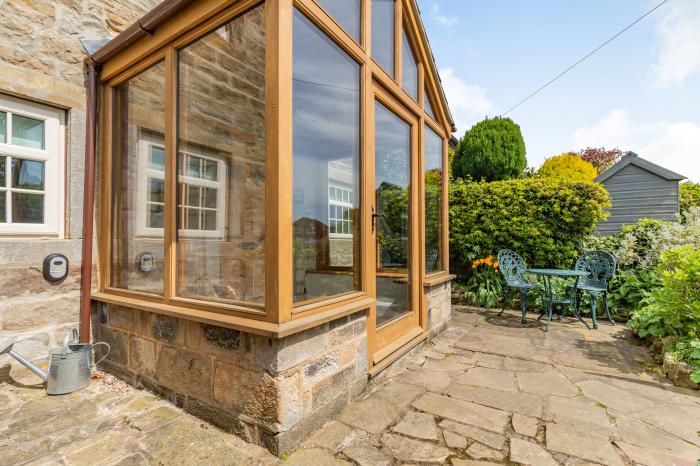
6, 348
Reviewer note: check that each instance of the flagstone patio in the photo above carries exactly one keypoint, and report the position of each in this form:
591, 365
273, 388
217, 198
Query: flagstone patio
489, 391
486, 391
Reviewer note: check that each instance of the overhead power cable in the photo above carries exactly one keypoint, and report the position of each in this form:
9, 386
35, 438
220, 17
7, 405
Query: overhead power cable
585, 58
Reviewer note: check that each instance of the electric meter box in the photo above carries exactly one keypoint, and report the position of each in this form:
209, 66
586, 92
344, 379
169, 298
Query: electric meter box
55, 267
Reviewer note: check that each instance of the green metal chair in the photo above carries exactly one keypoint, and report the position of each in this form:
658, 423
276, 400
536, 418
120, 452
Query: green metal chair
602, 266
513, 268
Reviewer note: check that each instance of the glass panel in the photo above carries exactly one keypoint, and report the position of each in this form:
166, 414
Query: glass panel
156, 216
433, 201
27, 174
426, 103
156, 159
392, 197
139, 113
3, 171
27, 208
326, 119
346, 12
383, 33
3, 128
409, 69
210, 198
221, 127
156, 192
27, 132
3, 207
194, 166
210, 170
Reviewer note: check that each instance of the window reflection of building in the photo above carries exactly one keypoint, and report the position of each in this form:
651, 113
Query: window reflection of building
326, 100
201, 196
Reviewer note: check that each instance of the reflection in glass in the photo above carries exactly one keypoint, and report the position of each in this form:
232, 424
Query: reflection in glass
346, 12
27, 132
3, 128
3, 175
433, 200
139, 113
27, 208
221, 163
3, 206
383, 33
27, 174
326, 118
426, 103
409, 68
392, 185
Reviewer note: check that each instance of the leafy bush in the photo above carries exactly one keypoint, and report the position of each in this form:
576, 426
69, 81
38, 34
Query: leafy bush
568, 167
542, 219
629, 289
491, 150
688, 350
673, 309
601, 158
690, 198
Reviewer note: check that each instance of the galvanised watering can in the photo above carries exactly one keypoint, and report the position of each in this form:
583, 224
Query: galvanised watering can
70, 365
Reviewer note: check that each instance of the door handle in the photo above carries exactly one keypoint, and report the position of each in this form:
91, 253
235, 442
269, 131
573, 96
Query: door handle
375, 215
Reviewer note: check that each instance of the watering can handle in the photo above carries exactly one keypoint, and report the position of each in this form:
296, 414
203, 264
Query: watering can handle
106, 354
64, 346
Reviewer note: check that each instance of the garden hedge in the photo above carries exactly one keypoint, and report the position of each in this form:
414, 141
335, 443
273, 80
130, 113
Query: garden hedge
542, 219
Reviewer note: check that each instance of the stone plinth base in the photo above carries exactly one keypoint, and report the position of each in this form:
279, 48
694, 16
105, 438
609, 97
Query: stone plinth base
270, 392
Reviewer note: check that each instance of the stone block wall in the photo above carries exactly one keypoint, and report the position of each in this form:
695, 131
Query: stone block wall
439, 303
273, 392
41, 60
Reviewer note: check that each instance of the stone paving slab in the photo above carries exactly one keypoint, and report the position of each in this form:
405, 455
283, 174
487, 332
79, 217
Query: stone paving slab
111, 423
487, 391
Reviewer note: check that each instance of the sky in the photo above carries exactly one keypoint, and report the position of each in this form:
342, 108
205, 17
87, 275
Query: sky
640, 93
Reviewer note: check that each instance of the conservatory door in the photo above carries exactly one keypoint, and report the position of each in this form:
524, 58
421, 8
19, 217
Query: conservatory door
394, 227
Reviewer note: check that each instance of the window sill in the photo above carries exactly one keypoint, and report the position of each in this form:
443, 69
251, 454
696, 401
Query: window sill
438, 279
243, 324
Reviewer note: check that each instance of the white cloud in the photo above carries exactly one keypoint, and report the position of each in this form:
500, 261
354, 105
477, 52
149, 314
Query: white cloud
440, 17
468, 102
678, 33
674, 145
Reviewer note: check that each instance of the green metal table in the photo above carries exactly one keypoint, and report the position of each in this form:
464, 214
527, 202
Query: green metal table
550, 300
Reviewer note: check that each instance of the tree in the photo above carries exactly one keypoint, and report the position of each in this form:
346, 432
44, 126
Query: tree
569, 167
601, 158
491, 150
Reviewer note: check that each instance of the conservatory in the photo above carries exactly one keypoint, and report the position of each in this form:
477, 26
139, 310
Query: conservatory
272, 215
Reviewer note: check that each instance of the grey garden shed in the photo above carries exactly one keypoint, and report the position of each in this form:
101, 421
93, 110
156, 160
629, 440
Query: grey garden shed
639, 189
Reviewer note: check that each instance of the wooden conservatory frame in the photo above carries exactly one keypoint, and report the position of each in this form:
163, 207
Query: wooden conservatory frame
279, 316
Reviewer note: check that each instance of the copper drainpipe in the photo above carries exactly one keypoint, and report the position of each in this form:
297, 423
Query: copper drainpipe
88, 202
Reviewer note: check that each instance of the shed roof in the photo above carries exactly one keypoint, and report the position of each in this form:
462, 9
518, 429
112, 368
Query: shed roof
634, 159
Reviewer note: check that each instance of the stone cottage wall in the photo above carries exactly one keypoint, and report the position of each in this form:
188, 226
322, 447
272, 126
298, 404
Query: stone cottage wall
439, 303
273, 392
41, 59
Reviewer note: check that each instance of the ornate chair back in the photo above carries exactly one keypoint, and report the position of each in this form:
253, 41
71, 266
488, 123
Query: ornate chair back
600, 264
512, 266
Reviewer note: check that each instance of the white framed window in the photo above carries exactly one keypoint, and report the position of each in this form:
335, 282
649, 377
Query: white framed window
201, 191
340, 207
31, 168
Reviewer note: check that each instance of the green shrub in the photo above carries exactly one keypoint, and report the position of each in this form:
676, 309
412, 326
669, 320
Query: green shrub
673, 309
568, 167
491, 150
630, 288
688, 350
543, 220
690, 198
